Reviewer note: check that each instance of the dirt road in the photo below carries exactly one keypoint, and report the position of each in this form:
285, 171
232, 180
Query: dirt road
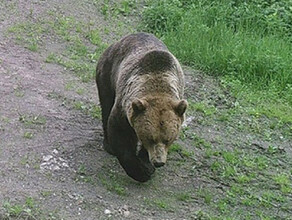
227, 163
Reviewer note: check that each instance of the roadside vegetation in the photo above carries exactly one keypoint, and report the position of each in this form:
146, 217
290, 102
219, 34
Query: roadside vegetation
247, 43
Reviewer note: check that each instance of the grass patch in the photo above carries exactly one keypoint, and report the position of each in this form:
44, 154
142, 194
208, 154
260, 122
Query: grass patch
114, 9
252, 180
184, 196
159, 203
28, 135
249, 42
283, 180
26, 210
179, 149
90, 109
82, 175
46, 193
32, 120
201, 107
18, 92
206, 195
200, 142
113, 183
83, 70
268, 103
94, 37
83, 43
86, 107
29, 34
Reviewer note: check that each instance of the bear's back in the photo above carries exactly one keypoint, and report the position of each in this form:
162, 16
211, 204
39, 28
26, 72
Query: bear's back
128, 49
135, 44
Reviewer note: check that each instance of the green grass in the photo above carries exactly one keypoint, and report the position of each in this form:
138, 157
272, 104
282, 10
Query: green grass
206, 195
29, 120
256, 178
201, 107
28, 135
28, 34
13, 210
252, 182
259, 103
46, 193
245, 41
180, 150
159, 203
114, 183
28, 209
83, 176
90, 109
200, 142
83, 70
114, 9
18, 92
94, 37
83, 43
184, 196
283, 180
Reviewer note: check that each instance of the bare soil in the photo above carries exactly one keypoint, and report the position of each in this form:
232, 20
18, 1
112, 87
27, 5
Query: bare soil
52, 165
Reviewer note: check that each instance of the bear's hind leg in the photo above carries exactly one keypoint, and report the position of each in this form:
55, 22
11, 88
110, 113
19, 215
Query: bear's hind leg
106, 99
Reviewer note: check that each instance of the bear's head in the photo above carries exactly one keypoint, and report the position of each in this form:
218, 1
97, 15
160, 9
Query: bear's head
157, 123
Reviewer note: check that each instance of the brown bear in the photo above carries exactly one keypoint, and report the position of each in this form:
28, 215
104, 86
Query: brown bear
140, 86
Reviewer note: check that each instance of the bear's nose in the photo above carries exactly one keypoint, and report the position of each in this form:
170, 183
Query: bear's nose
158, 164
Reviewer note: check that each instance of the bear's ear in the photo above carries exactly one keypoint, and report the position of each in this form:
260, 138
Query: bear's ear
181, 107
139, 105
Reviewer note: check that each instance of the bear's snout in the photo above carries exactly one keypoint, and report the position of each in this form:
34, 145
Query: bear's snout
158, 164
158, 155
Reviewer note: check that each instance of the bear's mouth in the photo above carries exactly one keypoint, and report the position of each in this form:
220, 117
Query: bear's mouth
158, 155
158, 161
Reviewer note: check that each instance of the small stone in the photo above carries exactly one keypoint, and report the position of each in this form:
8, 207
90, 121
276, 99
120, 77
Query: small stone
43, 166
126, 213
55, 151
70, 196
47, 158
56, 167
188, 121
107, 212
61, 159
65, 165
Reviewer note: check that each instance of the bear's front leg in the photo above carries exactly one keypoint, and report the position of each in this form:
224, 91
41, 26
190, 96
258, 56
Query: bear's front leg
123, 144
137, 167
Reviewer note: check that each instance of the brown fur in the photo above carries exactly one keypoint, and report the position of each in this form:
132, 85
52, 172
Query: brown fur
140, 86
